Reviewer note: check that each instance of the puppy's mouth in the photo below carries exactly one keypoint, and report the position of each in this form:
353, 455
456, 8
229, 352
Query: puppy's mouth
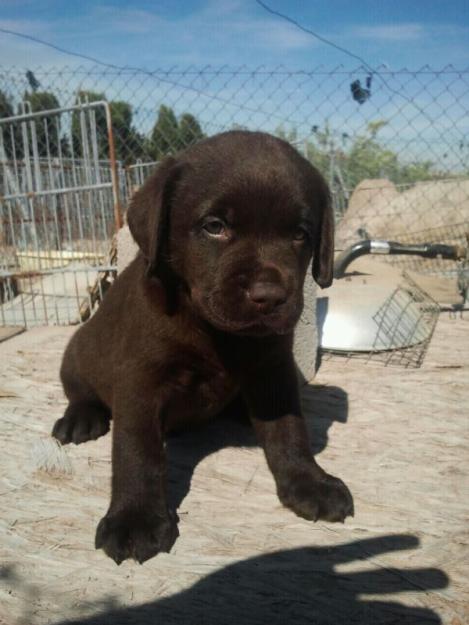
258, 325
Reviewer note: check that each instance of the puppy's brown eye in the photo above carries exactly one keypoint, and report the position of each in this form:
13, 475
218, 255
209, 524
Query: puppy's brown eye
300, 234
215, 227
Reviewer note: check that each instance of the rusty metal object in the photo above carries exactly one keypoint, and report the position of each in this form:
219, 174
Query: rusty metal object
113, 164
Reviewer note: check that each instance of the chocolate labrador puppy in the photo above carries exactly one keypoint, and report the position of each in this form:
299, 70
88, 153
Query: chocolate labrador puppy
226, 230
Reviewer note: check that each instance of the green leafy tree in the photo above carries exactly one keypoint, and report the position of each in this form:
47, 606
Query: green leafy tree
170, 135
121, 116
345, 161
7, 110
290, 135
189, 130
418, 170
323, 151
85, 134
9, 145
363, 156
368, 159
41, 101
129, 143
47, 127
165, 136
6, 105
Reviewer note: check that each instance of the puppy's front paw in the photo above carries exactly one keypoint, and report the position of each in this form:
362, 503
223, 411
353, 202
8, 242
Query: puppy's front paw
81, 423
326, 498
137, 535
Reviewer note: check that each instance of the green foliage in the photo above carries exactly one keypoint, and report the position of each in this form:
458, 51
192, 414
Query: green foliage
48, 130
189, 130
346, 161
6, 105
290, 135
129, 143
170, 135
41, 100
165, 134
421, 170
368, 159
7, 110
83, 135
321, 151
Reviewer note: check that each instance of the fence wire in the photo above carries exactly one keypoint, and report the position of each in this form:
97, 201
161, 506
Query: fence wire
395, 153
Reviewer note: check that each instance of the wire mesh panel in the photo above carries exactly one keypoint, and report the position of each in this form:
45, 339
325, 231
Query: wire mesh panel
407, 126
393, 146
58, 211
136, 175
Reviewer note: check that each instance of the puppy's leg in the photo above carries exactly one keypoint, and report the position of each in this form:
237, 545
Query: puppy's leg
138, 523
302, 485
86, 417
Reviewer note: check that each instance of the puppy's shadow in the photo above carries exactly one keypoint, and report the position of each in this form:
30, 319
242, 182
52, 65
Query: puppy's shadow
322, 406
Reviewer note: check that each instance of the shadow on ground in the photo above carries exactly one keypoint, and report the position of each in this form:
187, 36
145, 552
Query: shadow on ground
322, 406
325, 585
303, 586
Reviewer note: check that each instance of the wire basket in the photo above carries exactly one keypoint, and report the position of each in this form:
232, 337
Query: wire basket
405, 323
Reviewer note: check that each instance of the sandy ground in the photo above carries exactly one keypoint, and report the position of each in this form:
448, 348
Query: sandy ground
398, 437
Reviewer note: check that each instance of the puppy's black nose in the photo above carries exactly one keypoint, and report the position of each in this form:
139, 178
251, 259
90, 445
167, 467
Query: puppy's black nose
267, 296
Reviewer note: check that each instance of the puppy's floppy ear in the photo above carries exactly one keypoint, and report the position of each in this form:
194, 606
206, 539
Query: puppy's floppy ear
148, 213
149, 221
323, 253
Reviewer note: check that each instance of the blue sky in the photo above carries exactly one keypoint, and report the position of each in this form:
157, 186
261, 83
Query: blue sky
164, 33
426, 115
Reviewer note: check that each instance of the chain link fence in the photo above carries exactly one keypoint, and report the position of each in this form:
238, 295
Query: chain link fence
75, 143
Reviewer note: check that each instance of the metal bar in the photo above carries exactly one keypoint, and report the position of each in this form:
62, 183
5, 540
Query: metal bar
65, 203
119, 222
52, 270
74, 202
58, 242
86, 159
31, 194
7, 175
95, 170
77, 107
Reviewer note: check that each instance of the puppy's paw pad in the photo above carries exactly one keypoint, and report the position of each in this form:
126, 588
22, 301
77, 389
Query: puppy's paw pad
135, 535
327, 499
335, 500
80, 425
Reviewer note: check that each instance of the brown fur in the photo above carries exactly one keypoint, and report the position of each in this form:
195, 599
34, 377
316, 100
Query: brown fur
207, 309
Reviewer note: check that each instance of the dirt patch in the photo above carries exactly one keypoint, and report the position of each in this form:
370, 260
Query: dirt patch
399, 438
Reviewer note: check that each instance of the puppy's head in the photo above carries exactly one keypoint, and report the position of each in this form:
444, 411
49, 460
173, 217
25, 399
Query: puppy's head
233, 222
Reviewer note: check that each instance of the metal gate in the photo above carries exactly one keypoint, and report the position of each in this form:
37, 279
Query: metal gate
59, 208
